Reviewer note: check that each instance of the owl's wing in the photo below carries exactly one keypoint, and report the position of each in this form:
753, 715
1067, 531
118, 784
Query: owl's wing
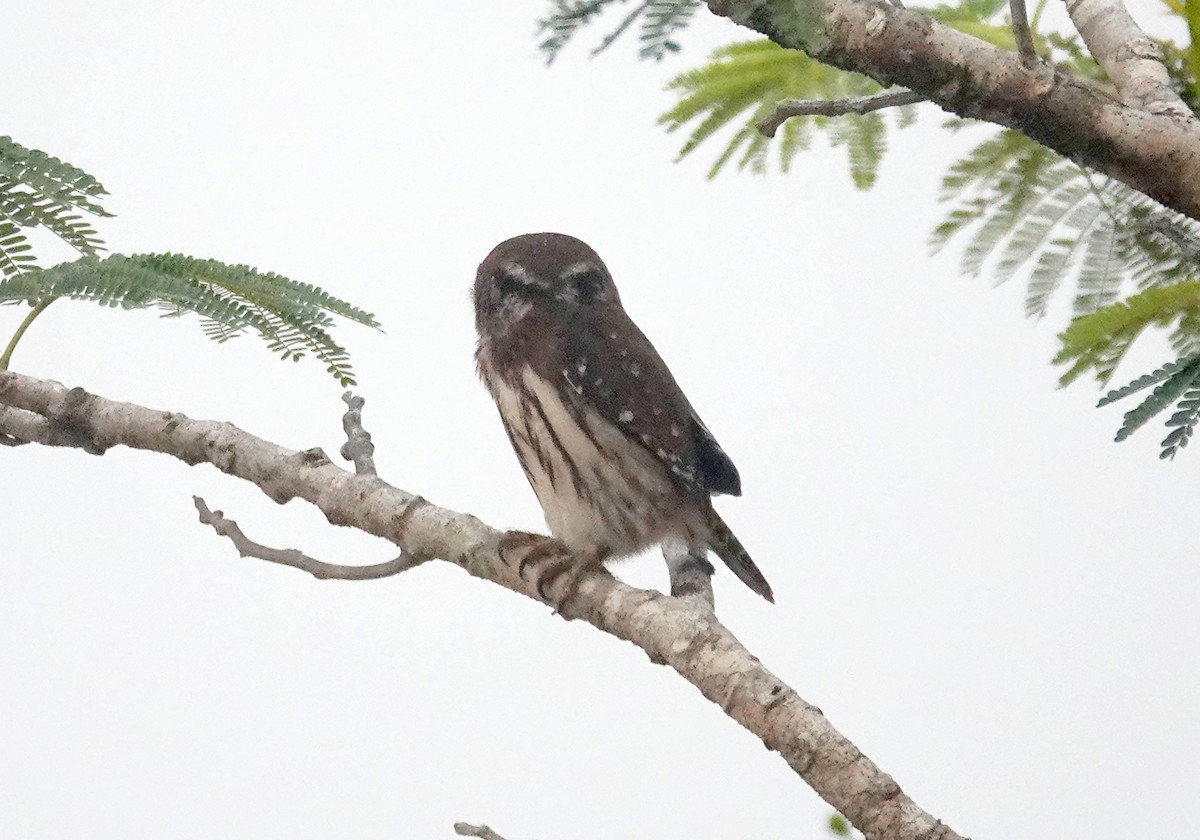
616, 371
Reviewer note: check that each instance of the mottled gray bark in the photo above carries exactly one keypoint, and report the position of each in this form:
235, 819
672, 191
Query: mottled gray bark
682, 633
1139, 135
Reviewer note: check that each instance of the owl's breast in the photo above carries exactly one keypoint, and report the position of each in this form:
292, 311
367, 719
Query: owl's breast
597, 487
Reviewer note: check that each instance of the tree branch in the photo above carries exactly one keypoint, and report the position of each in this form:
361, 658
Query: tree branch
467, 831
481, 831
358, 447
788, 108
1022, 35
1129, 58
21, 427
1157, 153
246, 547
682, 633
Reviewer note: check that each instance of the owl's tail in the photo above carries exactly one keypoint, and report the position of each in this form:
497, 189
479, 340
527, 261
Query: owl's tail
726, 546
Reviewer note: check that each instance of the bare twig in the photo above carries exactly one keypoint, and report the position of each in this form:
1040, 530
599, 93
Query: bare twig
358, 447
682, 633
246, 547
1024, 38
789, 108
1128, 56
468, 830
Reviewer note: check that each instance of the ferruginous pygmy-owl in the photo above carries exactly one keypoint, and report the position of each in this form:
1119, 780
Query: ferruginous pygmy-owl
616, 454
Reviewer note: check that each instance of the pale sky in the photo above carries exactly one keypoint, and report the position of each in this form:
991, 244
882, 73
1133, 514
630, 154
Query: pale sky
990, 598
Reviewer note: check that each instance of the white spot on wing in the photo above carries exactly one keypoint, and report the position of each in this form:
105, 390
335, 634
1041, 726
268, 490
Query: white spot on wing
567, 376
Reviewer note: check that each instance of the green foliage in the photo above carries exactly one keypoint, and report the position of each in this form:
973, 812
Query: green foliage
37, 190
839, 825
1099, 341
750, 78
1021, 202
1024, 208
660, 21
40, 191
293, 318
1176, 382
1021, 209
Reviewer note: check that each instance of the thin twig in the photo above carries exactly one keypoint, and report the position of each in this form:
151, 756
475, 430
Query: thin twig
1020, 28
358, 447
468, 830
789, 108
246, 547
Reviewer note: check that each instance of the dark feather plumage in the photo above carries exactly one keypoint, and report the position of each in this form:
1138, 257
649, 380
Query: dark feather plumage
616, 453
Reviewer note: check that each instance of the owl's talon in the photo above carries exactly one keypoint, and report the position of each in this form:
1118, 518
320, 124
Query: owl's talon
532, 544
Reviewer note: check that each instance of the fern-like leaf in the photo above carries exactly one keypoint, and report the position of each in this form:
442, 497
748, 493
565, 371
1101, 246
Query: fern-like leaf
662, 19
1142, 382
27, 209
1164, 394
39, 190
14, 250
1047, 216
1098, 341
50, 178
293, 318
743, 82
1182, 423
566, 17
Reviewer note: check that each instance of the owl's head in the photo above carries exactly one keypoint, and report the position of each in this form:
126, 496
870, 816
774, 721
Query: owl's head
548, 272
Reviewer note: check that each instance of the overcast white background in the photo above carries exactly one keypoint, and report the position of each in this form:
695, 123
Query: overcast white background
993, 600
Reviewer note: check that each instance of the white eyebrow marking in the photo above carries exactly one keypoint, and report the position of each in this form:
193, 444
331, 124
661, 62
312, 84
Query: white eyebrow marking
577, 268
519, 274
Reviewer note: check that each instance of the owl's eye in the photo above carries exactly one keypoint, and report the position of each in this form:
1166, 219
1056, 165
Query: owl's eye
515, 281
509, 285
587, 281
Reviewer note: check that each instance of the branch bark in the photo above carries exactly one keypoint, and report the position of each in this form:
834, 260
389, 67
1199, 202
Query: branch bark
1154, 151
682, 633
1129, 58
358, 447
319, 569
1022, 35
789, 108
482, 831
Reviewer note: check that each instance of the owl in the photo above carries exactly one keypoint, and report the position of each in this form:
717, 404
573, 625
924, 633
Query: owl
617, 456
